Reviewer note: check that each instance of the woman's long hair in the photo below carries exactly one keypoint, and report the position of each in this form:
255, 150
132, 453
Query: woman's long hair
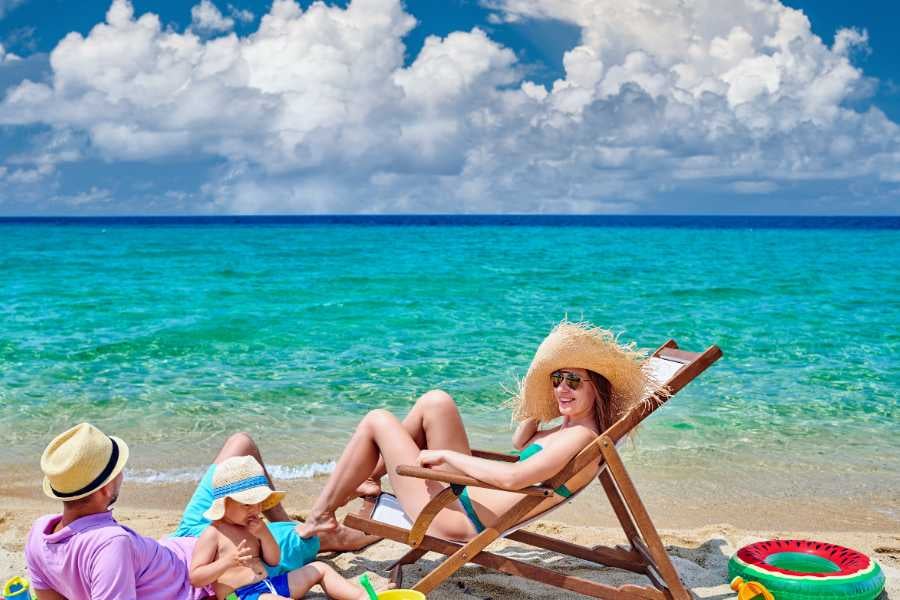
604, 411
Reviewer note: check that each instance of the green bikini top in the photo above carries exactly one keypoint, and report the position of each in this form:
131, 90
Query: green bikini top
532, 449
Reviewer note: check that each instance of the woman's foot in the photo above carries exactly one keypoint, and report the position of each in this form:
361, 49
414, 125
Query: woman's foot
317, 523
368, 489
344, 539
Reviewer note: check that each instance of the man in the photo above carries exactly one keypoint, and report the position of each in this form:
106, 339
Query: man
84, 554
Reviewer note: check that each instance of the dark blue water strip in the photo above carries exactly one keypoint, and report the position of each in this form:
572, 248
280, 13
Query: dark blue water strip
659, 221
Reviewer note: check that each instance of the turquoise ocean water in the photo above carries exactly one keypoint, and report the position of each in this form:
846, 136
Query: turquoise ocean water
173, 333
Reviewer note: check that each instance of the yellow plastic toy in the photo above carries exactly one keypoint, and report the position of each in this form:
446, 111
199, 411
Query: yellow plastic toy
401, 595
16, 589
747, 590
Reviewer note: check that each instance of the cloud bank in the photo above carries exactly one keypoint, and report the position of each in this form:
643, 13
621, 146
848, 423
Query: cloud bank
316, 111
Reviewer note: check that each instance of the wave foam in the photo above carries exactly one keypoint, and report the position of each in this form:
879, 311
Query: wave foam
195, 474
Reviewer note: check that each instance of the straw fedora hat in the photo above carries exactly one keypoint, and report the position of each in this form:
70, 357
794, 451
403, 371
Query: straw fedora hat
80, 461
242, 479
581, 345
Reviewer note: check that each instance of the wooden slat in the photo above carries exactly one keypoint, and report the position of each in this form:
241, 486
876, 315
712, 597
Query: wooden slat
495, 455
447, 477
442, 499
675, 355
603, 555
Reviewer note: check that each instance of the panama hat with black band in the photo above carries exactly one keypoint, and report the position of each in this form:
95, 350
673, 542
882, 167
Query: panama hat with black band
80, 461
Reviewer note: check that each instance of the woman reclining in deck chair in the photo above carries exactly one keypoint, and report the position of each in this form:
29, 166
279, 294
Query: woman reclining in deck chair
578, 372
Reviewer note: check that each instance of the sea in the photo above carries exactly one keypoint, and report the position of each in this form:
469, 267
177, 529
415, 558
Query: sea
172, 332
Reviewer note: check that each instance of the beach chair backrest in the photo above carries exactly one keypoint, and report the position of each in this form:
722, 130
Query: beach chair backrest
672, 369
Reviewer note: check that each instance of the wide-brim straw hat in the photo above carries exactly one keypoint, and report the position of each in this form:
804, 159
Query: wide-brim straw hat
80, 461
242, 479
581, 345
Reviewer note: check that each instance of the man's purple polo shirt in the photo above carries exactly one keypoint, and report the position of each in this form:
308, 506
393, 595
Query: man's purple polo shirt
95, 558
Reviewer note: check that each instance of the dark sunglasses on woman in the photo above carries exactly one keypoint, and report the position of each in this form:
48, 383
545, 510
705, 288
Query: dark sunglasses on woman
572, 380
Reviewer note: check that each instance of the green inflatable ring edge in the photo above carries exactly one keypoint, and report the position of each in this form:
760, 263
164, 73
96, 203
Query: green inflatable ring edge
866, 585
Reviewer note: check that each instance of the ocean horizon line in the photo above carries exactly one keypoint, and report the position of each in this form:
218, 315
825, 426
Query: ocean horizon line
699, 221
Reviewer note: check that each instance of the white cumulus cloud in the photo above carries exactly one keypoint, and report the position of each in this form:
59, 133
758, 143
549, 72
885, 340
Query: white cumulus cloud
206, 17
317, 111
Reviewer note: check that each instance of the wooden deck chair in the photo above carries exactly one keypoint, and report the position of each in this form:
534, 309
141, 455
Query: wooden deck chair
645, 555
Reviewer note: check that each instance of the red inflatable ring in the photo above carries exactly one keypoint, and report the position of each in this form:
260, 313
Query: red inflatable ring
804, 570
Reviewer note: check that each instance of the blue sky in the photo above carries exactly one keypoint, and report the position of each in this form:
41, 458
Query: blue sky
521, 106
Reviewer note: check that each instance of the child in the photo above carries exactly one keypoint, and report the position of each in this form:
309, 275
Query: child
234, 551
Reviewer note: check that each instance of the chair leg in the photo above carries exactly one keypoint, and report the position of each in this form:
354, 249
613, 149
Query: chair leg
396, 569
657, 552
618, 505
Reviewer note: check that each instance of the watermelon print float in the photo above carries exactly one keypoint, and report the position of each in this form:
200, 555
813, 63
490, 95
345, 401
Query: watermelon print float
805, 570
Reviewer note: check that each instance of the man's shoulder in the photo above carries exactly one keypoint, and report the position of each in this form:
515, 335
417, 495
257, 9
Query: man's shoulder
40, 524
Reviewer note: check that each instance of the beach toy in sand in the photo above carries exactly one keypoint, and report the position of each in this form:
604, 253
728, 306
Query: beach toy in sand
367, 585
401, 595
389, 594
16, 589
806, 570
748, 590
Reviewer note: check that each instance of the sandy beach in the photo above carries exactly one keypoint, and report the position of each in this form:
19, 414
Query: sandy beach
701, 532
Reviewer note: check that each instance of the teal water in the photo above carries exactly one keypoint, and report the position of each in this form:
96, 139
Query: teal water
173, 336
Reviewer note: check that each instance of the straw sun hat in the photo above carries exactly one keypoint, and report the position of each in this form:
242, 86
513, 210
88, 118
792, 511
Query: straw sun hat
581, 345
80, 461
242, 479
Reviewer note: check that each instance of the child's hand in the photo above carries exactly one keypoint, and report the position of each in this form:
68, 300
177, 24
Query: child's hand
238, 556
256, 526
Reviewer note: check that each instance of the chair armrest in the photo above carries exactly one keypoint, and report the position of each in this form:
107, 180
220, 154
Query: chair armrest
495, 455
457, 479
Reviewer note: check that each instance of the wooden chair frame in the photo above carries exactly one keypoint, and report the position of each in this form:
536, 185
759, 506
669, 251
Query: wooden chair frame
646, 554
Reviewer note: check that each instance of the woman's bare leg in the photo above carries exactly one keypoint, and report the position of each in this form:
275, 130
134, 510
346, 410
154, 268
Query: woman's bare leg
433, 422
379, 434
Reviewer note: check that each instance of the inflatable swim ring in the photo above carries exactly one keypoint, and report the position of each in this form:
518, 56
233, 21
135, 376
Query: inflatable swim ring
804, 570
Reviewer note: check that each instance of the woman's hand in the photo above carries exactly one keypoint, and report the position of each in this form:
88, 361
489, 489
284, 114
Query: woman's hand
431, 458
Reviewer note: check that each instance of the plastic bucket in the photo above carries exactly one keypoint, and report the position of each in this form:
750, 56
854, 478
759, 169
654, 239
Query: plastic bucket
401, 595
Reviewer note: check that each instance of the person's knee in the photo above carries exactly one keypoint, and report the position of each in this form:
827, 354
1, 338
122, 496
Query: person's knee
320, 569
438, 400
377, 417
241, 444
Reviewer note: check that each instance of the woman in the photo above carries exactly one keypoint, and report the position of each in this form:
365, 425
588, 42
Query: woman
579, 372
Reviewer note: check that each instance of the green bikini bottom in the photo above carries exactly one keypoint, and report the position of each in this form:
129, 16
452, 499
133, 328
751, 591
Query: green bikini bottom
463, 493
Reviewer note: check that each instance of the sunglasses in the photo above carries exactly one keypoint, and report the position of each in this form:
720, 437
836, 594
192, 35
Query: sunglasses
572, 380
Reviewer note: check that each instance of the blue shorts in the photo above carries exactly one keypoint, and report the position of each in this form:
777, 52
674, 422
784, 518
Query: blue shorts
295, 550
269, 585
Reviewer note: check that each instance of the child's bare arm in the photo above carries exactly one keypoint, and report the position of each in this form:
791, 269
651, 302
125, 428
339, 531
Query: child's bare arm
206, 566
269, 549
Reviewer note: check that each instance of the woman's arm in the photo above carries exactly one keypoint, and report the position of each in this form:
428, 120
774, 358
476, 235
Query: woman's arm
515, 476
524, 432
